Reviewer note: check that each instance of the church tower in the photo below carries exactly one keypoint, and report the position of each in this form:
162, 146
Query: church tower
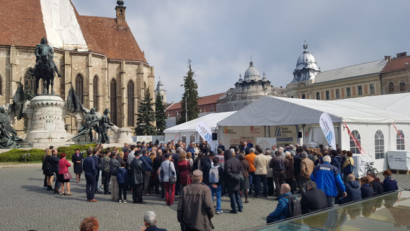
161, 91
120, 9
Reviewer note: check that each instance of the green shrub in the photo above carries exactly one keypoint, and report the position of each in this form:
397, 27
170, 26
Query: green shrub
37, 154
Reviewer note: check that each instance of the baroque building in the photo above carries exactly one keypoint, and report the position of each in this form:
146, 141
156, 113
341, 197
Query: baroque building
247, 90
99, 56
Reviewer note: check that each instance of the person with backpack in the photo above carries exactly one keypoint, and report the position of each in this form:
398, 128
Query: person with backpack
278, 167
215, 183
348, 165
288, 206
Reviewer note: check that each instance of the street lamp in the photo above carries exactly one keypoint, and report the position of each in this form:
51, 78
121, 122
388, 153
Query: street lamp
186, 109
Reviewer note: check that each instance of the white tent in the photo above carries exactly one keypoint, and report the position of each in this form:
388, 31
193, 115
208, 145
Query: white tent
187, 131
296, 121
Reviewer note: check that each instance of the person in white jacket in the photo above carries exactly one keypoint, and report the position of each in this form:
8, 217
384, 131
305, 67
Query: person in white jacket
166, 171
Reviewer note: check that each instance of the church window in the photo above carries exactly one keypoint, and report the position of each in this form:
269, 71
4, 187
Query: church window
303, 96
29, 82
317, 96
391, 87
360, 90
371, 88
348, 93
113, 101
337, 94
327, 95
95, 91
79, 88
130, 94
402, 86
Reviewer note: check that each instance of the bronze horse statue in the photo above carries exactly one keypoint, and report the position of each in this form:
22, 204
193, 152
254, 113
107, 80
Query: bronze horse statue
45, 67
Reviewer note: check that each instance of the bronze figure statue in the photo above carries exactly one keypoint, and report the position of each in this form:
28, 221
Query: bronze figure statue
45, 66
91, 123
105, 124
8, 136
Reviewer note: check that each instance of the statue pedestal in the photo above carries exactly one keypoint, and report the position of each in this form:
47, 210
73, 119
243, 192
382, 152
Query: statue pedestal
45, 125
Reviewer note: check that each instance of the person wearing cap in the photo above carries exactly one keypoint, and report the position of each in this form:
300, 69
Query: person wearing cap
195, 208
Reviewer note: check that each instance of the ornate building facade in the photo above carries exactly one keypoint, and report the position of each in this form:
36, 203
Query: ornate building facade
99, 56
247, 90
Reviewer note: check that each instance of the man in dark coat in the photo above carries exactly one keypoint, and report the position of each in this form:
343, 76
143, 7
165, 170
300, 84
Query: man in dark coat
277, 164
336, 160
298, 161
55, 168
233, 168
221, 146
313, 199
206, 164
97, 162
137, 179
352, 189
90, 172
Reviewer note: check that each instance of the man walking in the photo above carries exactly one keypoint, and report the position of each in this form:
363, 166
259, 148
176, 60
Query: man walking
195, 208
232, 172
137, 178
90, 174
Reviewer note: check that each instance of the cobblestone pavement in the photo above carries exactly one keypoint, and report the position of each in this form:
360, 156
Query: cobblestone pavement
25, 205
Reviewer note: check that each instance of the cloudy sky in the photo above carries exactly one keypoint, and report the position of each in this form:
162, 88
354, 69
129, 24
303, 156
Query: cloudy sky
220, 36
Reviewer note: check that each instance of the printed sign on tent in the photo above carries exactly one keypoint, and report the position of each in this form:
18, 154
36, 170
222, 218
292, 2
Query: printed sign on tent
326, 125
205, 132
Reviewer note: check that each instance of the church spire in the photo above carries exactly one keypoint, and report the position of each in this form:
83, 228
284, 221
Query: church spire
120, 10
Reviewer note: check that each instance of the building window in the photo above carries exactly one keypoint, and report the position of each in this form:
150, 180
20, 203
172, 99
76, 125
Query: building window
162, 97
130, 94
391, 87
303, 96
402, 86
113, 101
348, 93
353, 148
337, 94
327, 95
29, 82
400, 141
360, 90
95, 91
317, 96
379, 144
371, 89
79, 88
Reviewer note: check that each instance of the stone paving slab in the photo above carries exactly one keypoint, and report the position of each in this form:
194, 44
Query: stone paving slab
25, 205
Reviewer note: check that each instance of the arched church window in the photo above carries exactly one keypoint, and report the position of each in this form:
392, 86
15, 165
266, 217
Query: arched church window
29, 82
131, 107
113, 101
79, 87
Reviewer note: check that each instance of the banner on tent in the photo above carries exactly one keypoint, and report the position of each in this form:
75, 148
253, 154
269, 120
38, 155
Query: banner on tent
145, 139
326, 124
234, 135
205, 132
284, 134
265, 143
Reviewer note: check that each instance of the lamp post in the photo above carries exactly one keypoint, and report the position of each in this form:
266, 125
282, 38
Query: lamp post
186, 109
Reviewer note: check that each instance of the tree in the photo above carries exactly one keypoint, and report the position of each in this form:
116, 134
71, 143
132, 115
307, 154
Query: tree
191, 95
160, 115
146, 116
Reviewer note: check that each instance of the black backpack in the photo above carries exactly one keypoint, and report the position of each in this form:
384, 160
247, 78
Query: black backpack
294, 208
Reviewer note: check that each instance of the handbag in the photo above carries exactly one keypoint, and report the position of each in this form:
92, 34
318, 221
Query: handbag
172, 178
349, 168
67, 176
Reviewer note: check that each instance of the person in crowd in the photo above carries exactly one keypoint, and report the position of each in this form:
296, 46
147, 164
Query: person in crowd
98, 165
196, 148
232, 172
197, 162
155, 166
191, 148
336, 160
55, 168
215, 183
292, 150
306, 169
352, 190
90, 224
147, 165
195, 208
297, 162
206, 164
221, 146
282, 207
327, 178
77, 160
261, 164
251, 159
366, 189
120, 157
278, 166
375, 184
122, 178
167, 170
43, 168
289, 172
269, 172
114, 165
90, 173
150, 221
63, 165
105, 162
319, 159
184, 169
137, 178
349, 161
244, 184
47, 169
389, 183
126, 148
313, 199
190, 160
175, 158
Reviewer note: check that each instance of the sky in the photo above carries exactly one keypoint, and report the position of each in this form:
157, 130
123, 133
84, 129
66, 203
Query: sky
221, 36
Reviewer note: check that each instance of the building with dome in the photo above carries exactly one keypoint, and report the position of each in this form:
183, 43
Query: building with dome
99, 56
161, 91
247, 90
306, 67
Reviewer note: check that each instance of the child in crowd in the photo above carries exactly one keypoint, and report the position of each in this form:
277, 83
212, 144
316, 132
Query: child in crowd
122, 175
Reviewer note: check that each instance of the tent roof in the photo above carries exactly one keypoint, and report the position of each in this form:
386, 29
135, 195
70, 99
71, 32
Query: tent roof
271, 111
211, 120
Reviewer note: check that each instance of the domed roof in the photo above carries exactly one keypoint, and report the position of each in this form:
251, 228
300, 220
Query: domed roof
160, 86
252, 73
306, 60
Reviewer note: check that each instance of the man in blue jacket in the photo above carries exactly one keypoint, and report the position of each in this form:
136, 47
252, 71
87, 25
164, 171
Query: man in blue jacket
282, 207
352, 189
327, 178
191, 148
147, 165
90, 173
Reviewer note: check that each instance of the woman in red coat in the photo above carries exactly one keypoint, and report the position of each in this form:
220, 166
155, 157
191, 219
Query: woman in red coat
184, 168
64, 165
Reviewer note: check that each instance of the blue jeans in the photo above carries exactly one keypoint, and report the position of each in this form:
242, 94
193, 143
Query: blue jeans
251, 176
258, 179
218, 196
235, 200
90, 186
57, 182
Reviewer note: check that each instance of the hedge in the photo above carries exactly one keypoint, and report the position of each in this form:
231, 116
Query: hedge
37, 154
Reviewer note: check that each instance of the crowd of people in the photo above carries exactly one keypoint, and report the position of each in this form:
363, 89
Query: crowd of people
195, 176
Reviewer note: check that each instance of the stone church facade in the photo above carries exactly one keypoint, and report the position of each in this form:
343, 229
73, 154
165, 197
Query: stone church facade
108, 71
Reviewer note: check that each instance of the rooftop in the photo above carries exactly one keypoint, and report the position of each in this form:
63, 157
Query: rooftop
204, 100
397, 64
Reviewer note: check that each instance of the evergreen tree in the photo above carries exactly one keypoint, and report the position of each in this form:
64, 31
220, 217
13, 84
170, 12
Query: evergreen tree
146, 116
191, 95
160, 115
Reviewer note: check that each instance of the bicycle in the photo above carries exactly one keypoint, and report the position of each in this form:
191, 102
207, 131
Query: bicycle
371, 169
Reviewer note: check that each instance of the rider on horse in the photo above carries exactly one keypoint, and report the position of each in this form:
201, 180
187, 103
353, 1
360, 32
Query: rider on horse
43, 49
